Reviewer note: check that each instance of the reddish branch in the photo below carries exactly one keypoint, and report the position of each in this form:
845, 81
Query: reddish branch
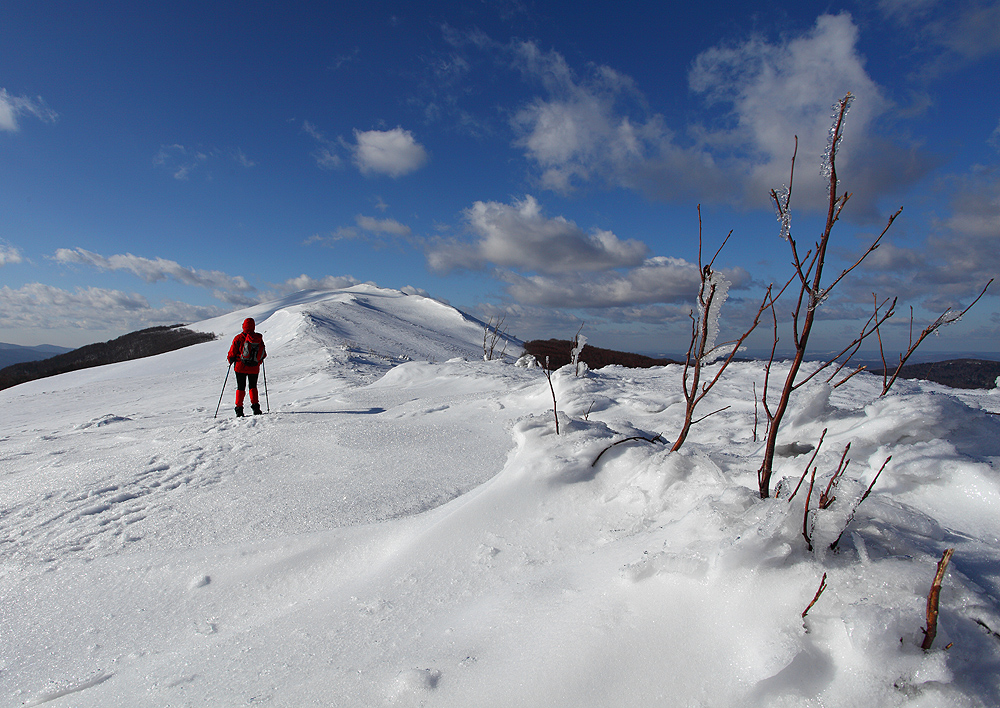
822, 587
854, 509
944, 319
932, 600
809, 272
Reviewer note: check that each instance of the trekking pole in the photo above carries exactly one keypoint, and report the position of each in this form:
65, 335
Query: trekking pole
267, 400
223, 392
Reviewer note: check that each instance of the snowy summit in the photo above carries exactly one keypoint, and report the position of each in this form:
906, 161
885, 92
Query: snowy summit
404, 527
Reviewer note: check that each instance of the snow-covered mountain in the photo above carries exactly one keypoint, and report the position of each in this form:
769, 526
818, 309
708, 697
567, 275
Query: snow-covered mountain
406, 528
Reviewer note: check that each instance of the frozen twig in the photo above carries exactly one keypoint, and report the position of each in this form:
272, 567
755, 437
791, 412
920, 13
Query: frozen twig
932, 600
822, 587
658, 438
854, 509
827, 498
555, 410
946, 318
808, 465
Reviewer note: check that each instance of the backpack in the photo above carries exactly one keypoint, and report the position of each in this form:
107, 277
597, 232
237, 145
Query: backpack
250, 352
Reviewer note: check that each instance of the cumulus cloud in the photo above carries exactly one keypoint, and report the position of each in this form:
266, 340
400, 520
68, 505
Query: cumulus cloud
579, 131
520, 236
40, 306
659, 280
389, 152
153, 270
411, 290
329, 282
14, 107
598, 127
9, 255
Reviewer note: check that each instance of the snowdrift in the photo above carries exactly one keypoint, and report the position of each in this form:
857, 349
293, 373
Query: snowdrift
406, 528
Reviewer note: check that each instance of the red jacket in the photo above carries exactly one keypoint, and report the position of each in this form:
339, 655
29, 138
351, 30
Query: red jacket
248, 334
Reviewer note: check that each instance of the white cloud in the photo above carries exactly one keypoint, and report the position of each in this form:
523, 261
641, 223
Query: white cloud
411, 290
779, 91
658, 280
40, 306
12, 107
519, 236
383, 226
153, 270
599, 127
329, 282
9, 255
390, 152
578, 131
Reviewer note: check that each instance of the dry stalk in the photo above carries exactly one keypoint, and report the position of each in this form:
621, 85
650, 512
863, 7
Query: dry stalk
805, 513
827, 498
808, 465
854, 509
946, 318
555, 411
658, 438
698, 349
493, 334
932, 600
822, 587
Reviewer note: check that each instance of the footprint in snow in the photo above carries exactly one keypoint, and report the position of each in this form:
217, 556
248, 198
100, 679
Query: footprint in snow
410, 681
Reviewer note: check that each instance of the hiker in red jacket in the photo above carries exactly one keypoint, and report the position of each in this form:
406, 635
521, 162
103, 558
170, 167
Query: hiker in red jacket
246, 355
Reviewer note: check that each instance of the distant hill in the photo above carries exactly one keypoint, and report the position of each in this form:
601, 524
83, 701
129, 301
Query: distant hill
957, 373
558, 351
17, 354
135, 345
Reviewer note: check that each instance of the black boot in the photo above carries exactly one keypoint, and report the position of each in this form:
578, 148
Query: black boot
239, 411
255, 408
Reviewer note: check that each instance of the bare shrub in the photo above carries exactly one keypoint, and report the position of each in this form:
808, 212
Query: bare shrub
812, 290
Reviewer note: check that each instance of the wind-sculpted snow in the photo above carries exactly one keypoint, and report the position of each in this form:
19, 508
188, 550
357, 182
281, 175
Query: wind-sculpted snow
405, 528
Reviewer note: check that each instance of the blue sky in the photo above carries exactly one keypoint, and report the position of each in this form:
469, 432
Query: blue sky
543, 160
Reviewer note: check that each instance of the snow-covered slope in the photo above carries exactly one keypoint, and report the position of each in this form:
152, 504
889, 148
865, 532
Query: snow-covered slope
406, 528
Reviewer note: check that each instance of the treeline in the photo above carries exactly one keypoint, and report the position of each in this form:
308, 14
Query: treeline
135, 345
559, 353
957, 373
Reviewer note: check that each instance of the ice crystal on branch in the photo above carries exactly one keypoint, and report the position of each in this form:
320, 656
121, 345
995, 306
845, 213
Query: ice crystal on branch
715, 290
781, 199
836, 135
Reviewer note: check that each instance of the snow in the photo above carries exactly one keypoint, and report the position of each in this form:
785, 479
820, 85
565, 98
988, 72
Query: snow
405, 528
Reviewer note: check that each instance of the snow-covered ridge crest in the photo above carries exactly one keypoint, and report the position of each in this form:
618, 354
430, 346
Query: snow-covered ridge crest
390, 322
